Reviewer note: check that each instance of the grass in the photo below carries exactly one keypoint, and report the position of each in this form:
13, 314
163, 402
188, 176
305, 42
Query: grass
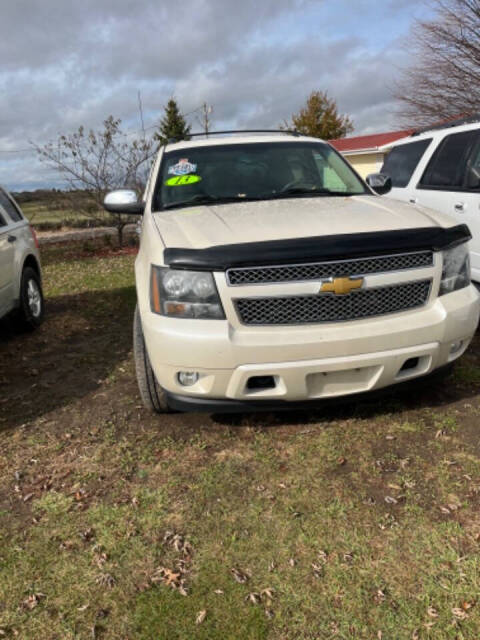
356, 522
40, 213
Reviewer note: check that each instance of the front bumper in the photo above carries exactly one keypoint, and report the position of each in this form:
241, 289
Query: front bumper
311, 362
212, 405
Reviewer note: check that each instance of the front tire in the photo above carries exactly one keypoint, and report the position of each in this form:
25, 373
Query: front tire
32, 307
152, 394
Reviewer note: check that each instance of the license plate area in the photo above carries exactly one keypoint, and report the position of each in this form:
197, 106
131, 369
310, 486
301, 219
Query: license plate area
324, 384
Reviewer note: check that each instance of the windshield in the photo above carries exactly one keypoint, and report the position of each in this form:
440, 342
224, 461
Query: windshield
256, 171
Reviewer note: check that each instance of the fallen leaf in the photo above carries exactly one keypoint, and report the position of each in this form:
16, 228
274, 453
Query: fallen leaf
219, 592
459, 613
32, 601
27, 497
292, 562
268, 592
432, 612
238, 575
341, 461
323, 556
254, 597
88, 534
269, 613
171, 577
391, 500
201, 616
106, 580
379, 596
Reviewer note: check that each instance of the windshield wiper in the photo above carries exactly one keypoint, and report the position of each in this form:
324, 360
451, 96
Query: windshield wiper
303, 191
205, 198
200, 198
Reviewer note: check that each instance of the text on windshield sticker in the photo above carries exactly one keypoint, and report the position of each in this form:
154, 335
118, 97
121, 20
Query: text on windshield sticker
180, 181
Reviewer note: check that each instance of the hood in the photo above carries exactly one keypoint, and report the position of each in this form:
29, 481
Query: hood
211, 225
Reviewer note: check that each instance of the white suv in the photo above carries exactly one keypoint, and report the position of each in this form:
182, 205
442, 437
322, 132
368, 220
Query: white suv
270, 275
440, 168
20, 271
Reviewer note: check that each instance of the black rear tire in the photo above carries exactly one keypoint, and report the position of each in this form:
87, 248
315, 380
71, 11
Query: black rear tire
32, 307
152, 394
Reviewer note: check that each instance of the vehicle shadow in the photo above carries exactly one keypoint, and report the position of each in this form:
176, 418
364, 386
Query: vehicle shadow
82, 339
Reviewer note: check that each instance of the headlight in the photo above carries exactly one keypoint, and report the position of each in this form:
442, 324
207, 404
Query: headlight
456, 269
184, 294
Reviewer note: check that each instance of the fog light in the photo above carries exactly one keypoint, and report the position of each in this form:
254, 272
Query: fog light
187, 378
456, 346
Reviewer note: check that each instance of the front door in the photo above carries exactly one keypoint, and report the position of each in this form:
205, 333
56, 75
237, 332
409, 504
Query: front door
6, 266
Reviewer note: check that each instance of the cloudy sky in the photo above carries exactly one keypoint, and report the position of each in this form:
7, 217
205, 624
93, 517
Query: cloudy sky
64, 63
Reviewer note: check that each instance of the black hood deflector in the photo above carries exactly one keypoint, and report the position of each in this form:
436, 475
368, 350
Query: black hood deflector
314, 249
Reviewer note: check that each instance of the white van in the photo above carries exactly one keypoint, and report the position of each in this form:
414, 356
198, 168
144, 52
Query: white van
439, 168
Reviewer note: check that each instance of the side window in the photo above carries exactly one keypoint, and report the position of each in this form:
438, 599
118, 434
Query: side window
330, 178
448, 166
2, 221
7, 205
402, 161
473, 169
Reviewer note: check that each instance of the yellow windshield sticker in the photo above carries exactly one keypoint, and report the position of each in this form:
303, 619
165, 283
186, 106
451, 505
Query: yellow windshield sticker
179, 181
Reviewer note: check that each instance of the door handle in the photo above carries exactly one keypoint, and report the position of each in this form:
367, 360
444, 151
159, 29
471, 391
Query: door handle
413, 200
12, 238
459, 206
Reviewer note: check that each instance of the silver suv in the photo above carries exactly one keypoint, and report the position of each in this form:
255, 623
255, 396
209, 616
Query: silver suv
20, 271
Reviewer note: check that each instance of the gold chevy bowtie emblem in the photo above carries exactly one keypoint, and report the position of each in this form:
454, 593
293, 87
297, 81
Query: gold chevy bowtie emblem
341, 286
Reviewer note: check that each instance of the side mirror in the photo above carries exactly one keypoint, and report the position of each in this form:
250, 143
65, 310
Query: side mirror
380, 183
123, 201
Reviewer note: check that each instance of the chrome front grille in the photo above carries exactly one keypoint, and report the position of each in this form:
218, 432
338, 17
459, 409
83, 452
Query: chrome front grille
321, 270
328, 307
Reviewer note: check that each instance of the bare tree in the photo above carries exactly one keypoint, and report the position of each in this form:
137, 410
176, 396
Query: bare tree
443, 81
204, 119
95, 162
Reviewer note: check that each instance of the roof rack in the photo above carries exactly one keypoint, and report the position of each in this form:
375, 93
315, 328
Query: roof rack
288, 132
474, 117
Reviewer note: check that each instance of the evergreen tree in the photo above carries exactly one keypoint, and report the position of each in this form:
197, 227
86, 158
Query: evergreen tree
320, 118
172, 125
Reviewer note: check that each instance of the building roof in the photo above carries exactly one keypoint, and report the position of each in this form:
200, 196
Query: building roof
368, 143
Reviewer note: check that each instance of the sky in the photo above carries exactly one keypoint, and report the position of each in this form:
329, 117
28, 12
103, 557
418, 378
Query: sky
65, 63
